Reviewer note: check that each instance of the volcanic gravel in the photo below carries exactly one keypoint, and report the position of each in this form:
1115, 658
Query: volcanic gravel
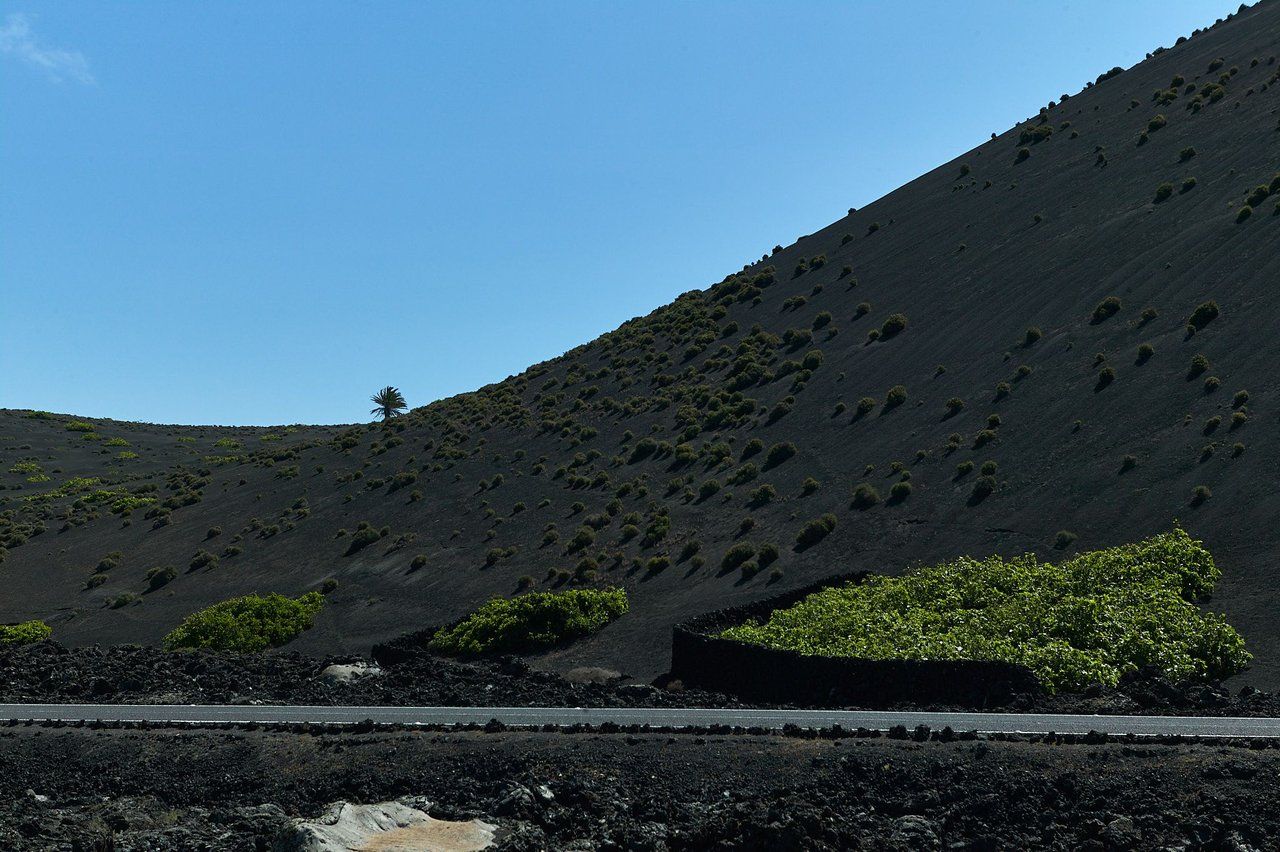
165, 790
128, 674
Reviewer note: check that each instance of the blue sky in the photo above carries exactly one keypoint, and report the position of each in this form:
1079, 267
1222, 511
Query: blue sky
260, 213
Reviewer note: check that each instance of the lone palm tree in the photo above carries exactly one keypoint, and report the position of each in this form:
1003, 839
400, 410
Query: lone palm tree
388, 402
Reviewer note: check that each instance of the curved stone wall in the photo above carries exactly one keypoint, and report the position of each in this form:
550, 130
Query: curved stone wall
756, 673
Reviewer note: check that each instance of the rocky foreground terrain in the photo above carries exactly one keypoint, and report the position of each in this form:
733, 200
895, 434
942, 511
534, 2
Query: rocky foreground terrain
242, 790
50, 672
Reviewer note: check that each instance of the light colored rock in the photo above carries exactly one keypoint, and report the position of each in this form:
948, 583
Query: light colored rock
400, 826
592, 674
913, 831
347, 672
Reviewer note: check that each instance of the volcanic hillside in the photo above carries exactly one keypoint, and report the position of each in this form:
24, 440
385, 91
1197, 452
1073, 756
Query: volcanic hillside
1010, 350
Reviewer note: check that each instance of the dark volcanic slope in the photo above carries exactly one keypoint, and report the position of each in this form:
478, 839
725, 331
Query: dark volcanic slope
623, 434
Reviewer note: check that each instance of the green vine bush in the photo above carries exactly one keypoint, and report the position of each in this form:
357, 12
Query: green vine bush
1085, 621
247, 624
24, 634
531, 622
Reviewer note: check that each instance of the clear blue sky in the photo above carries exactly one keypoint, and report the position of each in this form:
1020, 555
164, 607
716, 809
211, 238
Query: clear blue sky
259, 213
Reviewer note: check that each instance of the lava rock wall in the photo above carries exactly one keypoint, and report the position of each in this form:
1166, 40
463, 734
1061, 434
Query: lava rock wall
699, 658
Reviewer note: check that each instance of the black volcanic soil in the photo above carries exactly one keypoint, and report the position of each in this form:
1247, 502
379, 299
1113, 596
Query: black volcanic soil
236, 790
972, 256
49, 672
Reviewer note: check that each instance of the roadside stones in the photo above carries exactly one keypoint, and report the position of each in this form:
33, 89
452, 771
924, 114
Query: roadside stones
342, 673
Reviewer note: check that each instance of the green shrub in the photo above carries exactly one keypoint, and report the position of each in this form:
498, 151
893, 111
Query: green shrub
895, 397
1243, 213
983, 487
964, 468
1163, 192
815, 531
954, 406
736, 555
1188, 184
160, 576
1033, 334
531, 622
1089, 620
1063, 539
657, 564
203, 559
1106, 309
1205, 313
582, 539
895, 324
778, 454
865, 405
1145, 351
983, 437
1186, 154
1199, 364
900, 491
24, 633
764, 494
364, 536
247, 624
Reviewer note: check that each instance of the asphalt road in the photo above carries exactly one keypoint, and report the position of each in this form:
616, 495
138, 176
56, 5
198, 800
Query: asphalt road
1202, 726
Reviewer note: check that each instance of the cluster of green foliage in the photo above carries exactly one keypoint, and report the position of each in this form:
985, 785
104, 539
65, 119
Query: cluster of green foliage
1085, 621
24, 633
531, 622
247, 624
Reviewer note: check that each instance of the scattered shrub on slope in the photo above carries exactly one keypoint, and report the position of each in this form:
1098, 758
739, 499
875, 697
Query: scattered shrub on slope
1088, 620
246, 624
24, 633
531, 622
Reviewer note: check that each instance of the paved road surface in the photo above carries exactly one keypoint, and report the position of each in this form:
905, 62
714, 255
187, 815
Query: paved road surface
674, 717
